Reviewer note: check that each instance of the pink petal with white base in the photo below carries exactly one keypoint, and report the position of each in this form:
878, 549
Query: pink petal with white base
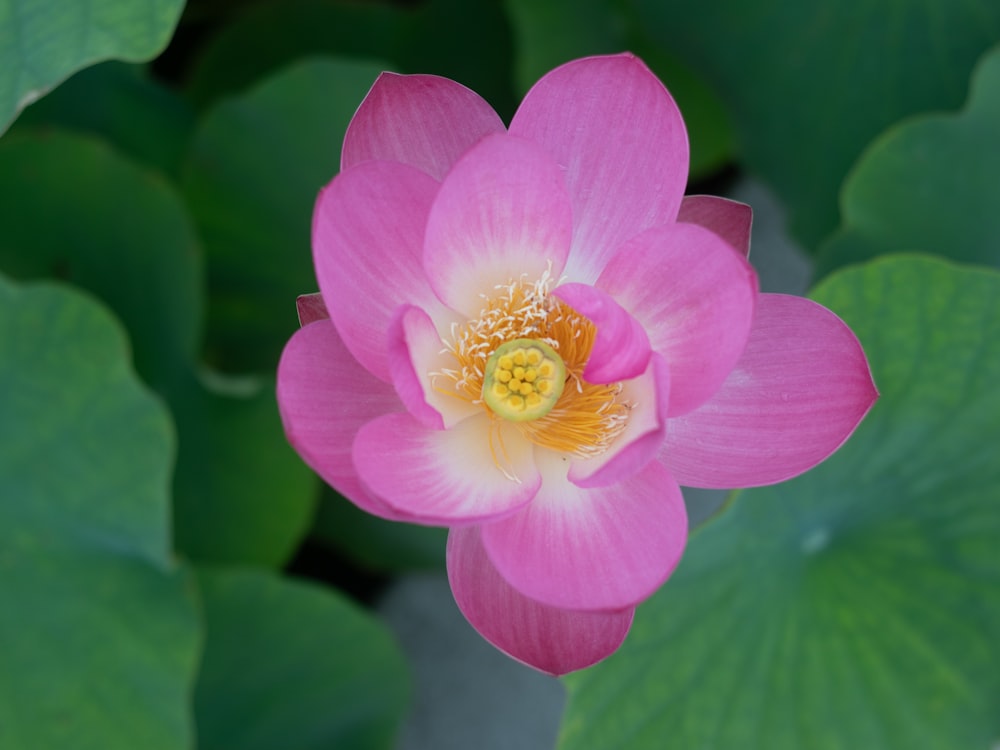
368, 231
591, 549
502, 212
731, 220
446, 477
621, 138
421, 120
324, 397
621, 348
311, 308
644, 432
800, 389
551, 640
694, 295
415, 353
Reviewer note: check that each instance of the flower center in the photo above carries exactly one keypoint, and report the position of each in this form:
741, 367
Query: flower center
570, 416
523, 380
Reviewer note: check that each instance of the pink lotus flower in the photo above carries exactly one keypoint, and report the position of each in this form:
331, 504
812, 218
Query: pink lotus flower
532, 337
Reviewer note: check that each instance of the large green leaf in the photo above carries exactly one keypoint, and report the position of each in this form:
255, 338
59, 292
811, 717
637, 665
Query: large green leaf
810, 84
554, 32
256, 166
44, 41
98, 631
470, 42
75, 209
122, 104
241, 494
290, 665
857, 606
268, 36
931, 183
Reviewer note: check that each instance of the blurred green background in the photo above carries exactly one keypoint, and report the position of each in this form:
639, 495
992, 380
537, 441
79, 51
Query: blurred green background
171, 574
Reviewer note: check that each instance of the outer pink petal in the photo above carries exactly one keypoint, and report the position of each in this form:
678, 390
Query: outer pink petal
621, 347
695, 296
324, 397
502, 212
415, 353
552, 640
731, 220
311, 308
445, 477
421, 120
644, 432
623, 143
798, 392
591, 549
368, 231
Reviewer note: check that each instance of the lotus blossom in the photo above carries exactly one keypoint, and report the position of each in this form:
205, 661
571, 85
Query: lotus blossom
530, 336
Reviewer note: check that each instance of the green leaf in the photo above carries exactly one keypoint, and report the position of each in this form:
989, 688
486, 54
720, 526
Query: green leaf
75, 209
242, 495
255, 168
552, 33
42, 42
469, 42
123, 105
809, 85
98, 631
293, 666
929, 184
858, 605
268, 36
377, 544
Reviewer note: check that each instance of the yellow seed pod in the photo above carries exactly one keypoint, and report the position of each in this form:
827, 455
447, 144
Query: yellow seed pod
524, 378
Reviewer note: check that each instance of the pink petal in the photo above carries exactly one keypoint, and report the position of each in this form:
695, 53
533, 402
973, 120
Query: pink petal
311, 308
446, 477
502, 213
551, 640
731, 220
591, 549
421, 120
798, 392
621, 138
621, 347
324, 397
644, 432
415, 353
694, 295
410, 329
368, 230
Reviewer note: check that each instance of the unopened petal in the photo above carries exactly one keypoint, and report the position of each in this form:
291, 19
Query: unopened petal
591, 549
502, 214
551, 640
729, 219
797, 393
694, 295
462, 475
422, 120
311, 308
621, 138
325, 396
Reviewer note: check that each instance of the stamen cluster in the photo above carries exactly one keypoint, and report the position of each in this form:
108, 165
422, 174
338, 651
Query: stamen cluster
588, 416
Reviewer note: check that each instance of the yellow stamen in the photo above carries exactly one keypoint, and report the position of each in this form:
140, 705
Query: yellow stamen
576, 417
